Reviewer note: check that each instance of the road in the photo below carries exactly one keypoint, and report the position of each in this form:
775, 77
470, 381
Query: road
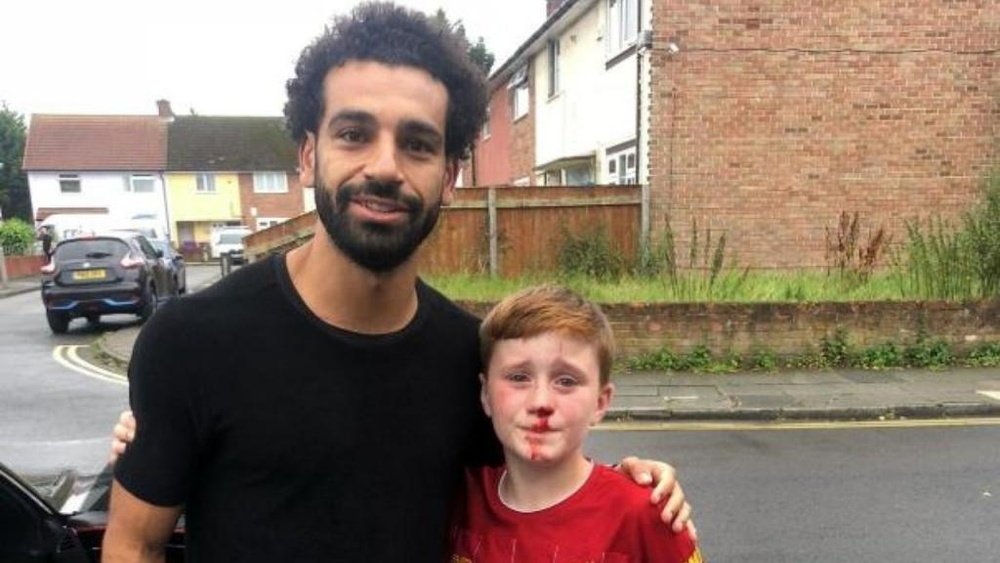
51, 417
834, 493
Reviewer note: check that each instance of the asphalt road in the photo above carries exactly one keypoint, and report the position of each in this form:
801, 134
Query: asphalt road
52, 417
834, 494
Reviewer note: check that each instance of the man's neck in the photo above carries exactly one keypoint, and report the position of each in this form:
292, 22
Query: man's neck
348, 296
529, 486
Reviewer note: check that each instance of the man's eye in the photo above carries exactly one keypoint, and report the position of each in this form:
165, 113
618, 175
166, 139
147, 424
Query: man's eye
351, 135
419, 146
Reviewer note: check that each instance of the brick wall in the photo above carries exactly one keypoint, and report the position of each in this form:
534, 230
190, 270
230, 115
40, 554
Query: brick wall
776, 116
284, 205
792, 329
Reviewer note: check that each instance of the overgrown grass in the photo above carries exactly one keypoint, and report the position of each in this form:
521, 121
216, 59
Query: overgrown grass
728, 287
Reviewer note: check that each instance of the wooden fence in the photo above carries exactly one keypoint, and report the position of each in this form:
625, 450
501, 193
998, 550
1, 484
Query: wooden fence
507, 231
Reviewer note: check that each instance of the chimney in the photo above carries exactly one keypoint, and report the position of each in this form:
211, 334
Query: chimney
552, 6
163, 108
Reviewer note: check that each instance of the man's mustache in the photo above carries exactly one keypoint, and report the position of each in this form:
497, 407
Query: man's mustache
392, 191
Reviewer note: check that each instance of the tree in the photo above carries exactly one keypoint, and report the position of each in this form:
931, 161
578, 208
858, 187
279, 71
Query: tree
479, 54
15, 200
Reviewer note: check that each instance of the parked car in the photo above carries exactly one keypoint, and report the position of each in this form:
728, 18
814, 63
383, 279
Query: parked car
228, 241
112, 272
62, 521
174, 262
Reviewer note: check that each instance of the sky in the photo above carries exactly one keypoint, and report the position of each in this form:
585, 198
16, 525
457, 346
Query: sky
213, 57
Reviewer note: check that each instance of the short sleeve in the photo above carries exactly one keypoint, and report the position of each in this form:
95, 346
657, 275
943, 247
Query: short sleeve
659, 544
159, 465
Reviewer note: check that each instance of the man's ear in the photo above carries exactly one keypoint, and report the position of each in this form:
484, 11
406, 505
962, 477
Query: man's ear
451, 170
603, 403
307, 161
483, 398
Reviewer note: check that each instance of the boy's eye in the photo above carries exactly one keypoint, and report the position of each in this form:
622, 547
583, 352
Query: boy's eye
517, 377
567, 381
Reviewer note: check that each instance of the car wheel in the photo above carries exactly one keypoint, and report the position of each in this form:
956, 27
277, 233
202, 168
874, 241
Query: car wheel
93, 318
149, 303
58, 322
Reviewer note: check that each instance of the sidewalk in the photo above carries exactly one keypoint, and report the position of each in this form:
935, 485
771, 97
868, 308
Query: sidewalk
21, 285
793, 395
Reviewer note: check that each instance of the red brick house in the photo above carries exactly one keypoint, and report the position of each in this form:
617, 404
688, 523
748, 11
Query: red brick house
763, 120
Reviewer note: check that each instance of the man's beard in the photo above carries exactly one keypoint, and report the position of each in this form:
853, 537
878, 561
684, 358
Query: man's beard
374, 246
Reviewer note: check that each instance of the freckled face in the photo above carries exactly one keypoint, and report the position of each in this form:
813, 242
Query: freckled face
378, 162
542, 394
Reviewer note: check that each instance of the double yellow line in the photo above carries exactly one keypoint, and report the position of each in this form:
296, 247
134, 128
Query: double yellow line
68, 357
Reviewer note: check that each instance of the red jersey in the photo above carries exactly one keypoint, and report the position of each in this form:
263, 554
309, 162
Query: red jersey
609, 519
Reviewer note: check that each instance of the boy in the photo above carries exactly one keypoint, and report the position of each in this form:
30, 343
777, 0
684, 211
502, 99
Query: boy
547, 353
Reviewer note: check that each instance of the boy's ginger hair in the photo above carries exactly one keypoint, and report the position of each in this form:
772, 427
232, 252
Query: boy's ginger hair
548, 308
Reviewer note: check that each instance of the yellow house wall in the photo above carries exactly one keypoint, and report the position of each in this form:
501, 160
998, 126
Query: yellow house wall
203, 209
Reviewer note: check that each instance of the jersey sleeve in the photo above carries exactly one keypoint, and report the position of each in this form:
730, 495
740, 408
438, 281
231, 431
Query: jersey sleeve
159, 465
659, 543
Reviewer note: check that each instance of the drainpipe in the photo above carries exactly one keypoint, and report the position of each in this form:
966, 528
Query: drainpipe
166, 207
644, 41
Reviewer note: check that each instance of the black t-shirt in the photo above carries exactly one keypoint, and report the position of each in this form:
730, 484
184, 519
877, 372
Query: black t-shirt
291, 440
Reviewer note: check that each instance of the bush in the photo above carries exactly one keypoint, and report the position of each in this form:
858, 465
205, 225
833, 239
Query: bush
590, 254
17, 237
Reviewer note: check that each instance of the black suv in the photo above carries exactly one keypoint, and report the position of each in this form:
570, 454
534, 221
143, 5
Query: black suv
114, 272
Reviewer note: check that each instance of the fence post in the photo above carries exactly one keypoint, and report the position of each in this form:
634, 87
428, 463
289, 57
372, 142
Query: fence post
644, 234
3, 268
492, 228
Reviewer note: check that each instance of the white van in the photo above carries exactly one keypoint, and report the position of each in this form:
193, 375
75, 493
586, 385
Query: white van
229, 241
68, 225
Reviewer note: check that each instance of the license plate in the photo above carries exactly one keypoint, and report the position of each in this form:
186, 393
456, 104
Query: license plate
88, 275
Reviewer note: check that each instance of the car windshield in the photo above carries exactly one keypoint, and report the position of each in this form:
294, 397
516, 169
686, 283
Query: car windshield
231, 238
91, 249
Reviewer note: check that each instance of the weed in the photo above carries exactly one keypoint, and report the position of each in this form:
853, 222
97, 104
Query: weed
926, 354
880, 356
698, 359
590, 254
764, 360
835, 350
852, 259
660, 360
986, 355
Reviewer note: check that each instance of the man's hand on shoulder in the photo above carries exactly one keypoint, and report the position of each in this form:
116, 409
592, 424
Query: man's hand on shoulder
663, 477
122, 435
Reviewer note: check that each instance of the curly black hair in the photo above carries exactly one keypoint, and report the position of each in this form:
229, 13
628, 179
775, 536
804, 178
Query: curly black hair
393, 35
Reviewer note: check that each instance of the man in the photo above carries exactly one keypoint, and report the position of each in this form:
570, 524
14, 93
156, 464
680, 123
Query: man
286, 410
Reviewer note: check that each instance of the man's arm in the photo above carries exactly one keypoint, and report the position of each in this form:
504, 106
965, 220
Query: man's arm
137, 530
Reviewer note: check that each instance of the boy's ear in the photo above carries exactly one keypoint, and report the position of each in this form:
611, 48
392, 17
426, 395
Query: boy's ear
603, 403
482, 395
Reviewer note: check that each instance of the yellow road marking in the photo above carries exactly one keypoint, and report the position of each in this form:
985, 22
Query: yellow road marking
995, 395
678, 426
68, 357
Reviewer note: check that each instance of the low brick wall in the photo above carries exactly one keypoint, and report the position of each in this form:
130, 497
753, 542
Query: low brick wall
23, 266
793, 328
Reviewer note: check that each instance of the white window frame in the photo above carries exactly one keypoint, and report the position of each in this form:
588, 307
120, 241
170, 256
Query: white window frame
131, 186
553, 58
66, 180
486, 123
270, 183
622, 25
265, 222
520, 101
624, 164
204, 183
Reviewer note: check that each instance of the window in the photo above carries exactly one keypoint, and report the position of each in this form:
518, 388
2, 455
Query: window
141, 183
69, 183
621, 167
579, 176
623, 25
265, 222
205, 184
270, 182
553, 67
486, 123
520, 98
